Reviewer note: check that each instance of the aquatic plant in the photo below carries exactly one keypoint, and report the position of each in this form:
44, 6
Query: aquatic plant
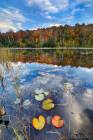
48, 104
18, 136
38, 123
57, 121
26, 103
40, 94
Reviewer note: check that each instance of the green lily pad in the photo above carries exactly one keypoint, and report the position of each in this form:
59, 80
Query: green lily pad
39, 97
46, 93
39, 91
40, 94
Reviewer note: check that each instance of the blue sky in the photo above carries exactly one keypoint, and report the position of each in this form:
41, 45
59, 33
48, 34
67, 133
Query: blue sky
32, 14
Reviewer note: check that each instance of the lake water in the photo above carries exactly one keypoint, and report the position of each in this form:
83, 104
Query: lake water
67, 80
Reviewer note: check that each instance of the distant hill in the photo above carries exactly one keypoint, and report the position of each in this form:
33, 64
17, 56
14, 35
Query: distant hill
62, 36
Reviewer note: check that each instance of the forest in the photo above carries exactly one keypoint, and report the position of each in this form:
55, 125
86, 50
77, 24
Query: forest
80, 35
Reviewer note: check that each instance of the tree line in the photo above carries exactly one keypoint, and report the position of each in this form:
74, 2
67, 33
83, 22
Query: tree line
62, 36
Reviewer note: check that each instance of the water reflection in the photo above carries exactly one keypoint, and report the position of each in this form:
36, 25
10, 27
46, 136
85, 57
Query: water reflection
66, 56
27, 85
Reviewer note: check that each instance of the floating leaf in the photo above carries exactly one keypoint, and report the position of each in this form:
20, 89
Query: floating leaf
57, 121
48, 104
17, 101
26, 103
39, 91
46, 93
40, 94
38, 123
39, 97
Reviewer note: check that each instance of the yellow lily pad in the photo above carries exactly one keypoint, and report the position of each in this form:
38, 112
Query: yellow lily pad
48, 104
38, 123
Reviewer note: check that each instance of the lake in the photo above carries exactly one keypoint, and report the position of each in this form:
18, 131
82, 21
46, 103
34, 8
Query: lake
61, 77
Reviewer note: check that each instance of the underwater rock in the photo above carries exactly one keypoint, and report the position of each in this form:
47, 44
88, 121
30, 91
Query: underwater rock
2, 111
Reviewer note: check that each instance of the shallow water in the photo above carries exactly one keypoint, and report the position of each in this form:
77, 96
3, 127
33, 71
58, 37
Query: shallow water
70, 88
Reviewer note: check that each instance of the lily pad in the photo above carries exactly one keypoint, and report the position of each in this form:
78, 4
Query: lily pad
48, 104
46, 93
17, 101
39, 91
40, 94
57, 121
38, 123
39, 97
27, 103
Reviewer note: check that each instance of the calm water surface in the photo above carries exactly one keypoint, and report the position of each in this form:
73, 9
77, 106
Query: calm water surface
69, 86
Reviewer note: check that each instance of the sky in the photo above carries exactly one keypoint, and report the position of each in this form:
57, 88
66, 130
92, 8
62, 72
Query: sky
18, 15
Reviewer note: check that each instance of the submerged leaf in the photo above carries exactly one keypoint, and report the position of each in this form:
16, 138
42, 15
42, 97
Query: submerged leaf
27, 102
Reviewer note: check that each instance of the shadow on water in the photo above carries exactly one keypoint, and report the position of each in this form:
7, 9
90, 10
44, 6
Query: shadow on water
89, 114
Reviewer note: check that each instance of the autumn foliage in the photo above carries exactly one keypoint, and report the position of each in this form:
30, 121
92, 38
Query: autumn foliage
62, 36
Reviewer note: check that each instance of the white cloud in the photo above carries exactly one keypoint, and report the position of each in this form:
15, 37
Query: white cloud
11, 19
86, 2
75, 10
46, 25
54, 24
83, 1
89, 5
48, 17
50, 6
